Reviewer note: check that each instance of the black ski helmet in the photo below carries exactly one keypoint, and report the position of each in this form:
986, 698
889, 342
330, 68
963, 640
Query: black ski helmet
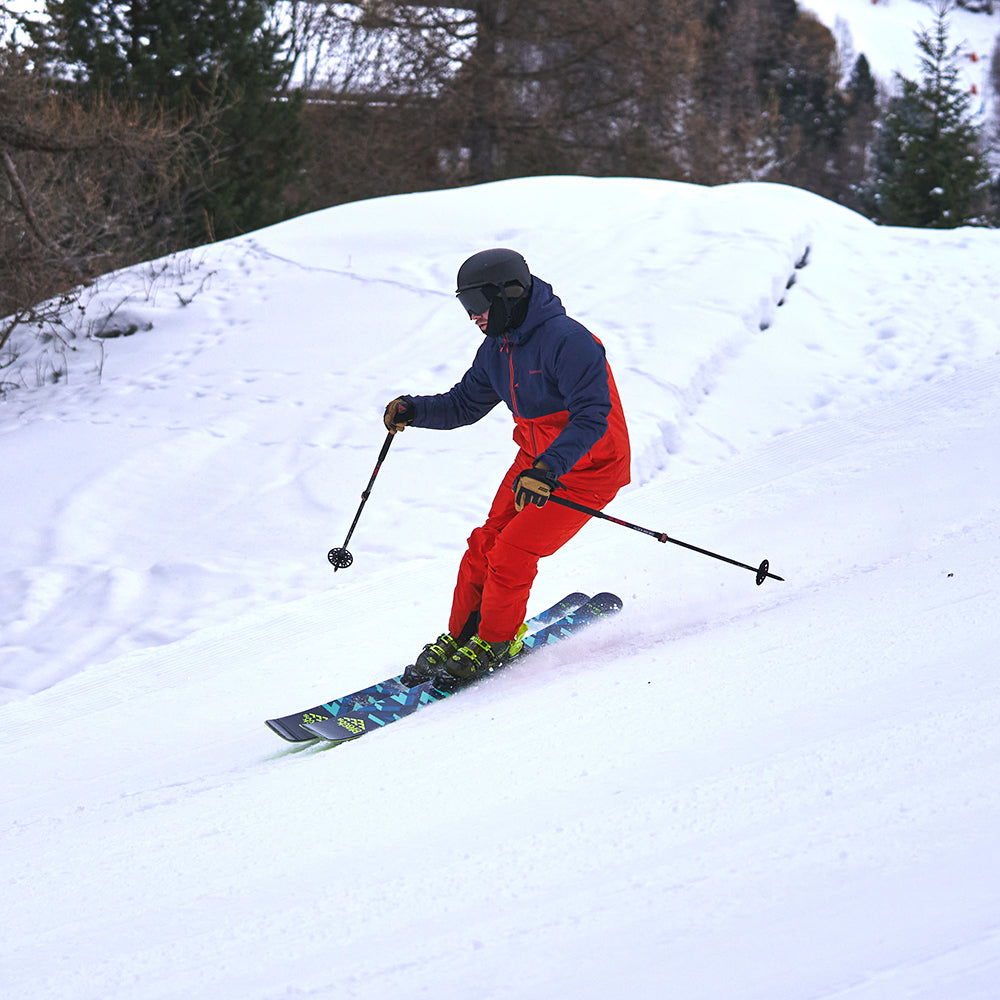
498, 282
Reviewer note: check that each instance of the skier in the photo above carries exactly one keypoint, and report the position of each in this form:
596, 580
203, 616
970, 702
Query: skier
568, 423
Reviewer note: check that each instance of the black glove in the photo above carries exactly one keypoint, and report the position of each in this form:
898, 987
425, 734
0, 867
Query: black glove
534, 485
399, 414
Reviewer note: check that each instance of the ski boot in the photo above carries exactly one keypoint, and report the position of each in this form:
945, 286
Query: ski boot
478, 657
431, 660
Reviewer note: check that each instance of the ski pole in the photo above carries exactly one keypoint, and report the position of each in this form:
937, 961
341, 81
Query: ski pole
340, 558
662, 536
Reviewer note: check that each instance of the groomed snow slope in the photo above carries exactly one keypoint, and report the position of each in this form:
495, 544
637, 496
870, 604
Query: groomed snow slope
726, 792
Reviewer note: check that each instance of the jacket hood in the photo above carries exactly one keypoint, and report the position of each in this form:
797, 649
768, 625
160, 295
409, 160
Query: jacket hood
543, 306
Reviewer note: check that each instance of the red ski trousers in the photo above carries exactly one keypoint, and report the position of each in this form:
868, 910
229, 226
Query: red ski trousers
501, 561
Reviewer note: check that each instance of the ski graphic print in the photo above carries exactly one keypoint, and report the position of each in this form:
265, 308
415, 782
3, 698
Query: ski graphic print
292, 727
354, 719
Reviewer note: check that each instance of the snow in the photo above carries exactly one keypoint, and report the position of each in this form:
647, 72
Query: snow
727, 791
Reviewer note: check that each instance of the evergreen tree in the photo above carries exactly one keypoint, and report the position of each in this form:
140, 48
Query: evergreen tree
861, 88
812, 109
219, 68
929, 170
861, 101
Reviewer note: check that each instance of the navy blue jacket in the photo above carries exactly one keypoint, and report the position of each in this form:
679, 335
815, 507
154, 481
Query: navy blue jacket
554, 377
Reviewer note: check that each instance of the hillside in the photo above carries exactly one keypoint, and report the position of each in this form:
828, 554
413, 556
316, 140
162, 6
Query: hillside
727, 791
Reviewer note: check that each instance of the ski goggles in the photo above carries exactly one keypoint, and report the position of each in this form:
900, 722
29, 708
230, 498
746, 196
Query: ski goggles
477, 299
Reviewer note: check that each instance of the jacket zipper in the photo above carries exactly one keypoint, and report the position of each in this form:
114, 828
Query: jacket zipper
508, 347
513, 386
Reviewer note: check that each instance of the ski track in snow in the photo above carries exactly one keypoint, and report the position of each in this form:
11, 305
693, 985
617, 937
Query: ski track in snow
689, 319
785, 791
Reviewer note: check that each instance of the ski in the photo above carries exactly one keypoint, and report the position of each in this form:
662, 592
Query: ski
292, 727
352, 721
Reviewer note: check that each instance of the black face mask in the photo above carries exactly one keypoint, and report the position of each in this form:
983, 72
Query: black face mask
499, 318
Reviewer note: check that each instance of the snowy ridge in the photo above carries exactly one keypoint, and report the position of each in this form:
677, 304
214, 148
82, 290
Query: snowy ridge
726, 790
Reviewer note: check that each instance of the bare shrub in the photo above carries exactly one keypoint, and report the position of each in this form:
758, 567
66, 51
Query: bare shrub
85, 187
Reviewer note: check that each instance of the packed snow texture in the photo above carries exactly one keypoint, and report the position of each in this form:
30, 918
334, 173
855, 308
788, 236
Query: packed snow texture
728, 791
